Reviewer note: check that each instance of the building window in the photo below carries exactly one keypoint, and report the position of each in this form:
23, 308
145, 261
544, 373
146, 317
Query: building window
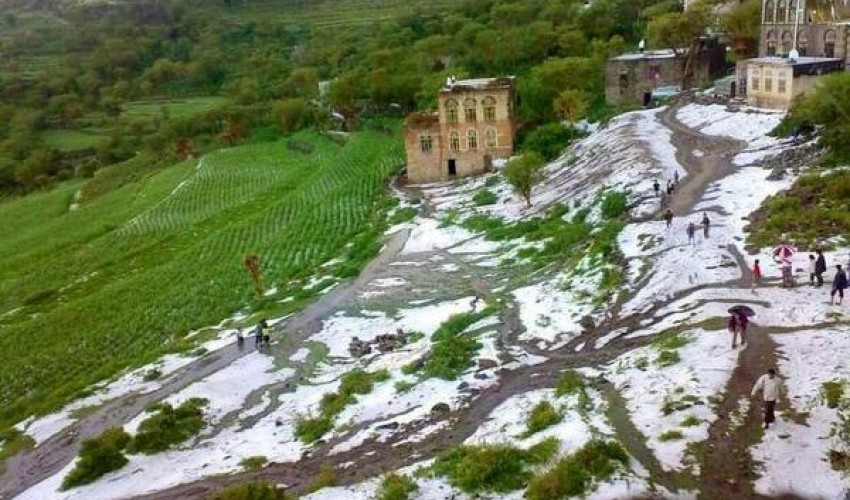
490, 138
781, 82
454, 141
451, 111
469, 110
787, 42
755, 75
771, 43
768, 80
802, 43
426, 143
782, 12
472, 139
489, 105
768, 12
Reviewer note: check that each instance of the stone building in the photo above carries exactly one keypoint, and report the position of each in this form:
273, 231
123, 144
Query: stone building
631, 78
774, 82
822, 27
474, 124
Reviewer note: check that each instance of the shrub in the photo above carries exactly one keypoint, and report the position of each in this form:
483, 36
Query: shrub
543, 415
256, 462
484, 197
613, 204
168, 426
309, 429
569, 382
833, 391
252, 491
152, 374
671, 435
98, 456
453, 350
668, 358
672, 342
403, 386
571, 476
491, 181
396, 487
642, 363
690, 421
403, 215
324, 479
549, 140
496, 468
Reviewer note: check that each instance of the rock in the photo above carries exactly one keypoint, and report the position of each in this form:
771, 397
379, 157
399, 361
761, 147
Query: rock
481, 376
391, 426
463, 386
441, 409
587, 324
278, 422
487, 364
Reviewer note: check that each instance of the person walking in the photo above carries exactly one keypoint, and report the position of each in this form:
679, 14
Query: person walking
663, 200
691, 230
668, 216
787, 273
732, 326
676, 178
258, 333
656, 187
756, 273
768, 384
820, 267
670, 187
813, 269
706, 223
839, 284
743, 324
240, 339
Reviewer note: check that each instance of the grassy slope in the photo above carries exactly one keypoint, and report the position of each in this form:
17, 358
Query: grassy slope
95, 292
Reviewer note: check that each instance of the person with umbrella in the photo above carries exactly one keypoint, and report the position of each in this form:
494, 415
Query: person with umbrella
739, 321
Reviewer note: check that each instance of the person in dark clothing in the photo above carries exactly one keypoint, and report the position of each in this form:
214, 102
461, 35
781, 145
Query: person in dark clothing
656, 187
820, 268
240, 339
670, 187
732, 325
743, 323
706, 223
668, 216
812, 269
258, 333
838, 285
691, 230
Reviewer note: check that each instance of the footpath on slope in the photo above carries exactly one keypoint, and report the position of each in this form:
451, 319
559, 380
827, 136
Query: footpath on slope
28, 468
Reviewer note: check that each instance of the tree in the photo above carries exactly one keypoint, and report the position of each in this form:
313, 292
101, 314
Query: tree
291, 114
678, 32
524, 173
743, 22
571, 105
827, 107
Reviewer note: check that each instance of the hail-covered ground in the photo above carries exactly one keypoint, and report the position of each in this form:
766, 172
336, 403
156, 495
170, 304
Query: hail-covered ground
666, 391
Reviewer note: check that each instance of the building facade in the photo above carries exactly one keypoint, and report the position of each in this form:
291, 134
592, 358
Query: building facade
822, 28
631, 78
774, 82
474, 125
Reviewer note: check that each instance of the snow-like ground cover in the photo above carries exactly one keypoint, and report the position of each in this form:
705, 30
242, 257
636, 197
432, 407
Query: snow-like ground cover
794, 457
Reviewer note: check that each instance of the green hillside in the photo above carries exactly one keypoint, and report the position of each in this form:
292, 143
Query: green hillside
116, 282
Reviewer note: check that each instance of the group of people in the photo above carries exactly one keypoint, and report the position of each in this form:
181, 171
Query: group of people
666, 194
262, 335
817, 267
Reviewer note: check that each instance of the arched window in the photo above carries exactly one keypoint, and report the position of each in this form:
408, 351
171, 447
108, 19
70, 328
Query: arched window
472, 139
769, 11
792, 10
426, 143
454, 140
829, 44
451, 111
490, 138
771, 43
469, 110
489, 105
802, 42
782, 12
787, 42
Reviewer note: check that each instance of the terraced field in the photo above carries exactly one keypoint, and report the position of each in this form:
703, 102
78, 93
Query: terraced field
136, 269
336, 13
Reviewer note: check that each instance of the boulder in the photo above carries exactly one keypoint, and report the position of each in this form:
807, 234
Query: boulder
487, 364
441, 409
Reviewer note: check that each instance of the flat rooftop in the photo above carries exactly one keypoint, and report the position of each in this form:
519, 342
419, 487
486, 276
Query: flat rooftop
647, 54
803, 65
479, 83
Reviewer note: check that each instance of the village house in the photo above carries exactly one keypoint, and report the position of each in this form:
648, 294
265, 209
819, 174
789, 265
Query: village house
800, 41
473, 125
631, 78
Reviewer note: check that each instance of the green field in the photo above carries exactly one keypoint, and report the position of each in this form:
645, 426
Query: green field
335, 13
119, 281
71, 140
174, 108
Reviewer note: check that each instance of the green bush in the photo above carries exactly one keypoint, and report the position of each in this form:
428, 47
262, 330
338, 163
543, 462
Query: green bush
403, 215
98, 456
671, 435
311, 429
690, 421
324, 479
543, 415
668, 358
403, 386
833, 391
251, 491
491, 468
453, 350
256, 462
168, 426
572, 475
484, 197
569, 382
614, 204
672, 342
549, 140
396, 487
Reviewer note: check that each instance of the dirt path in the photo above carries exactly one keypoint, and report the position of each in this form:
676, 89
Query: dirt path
28, 468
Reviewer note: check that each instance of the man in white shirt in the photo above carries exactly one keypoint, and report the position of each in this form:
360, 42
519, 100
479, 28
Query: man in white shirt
768, 384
